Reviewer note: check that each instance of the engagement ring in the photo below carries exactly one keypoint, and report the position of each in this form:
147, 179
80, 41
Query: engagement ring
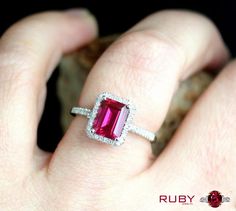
111, 119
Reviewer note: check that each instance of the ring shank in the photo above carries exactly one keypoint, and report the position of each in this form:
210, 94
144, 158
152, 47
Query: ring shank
80, 111
142, 132
132, 128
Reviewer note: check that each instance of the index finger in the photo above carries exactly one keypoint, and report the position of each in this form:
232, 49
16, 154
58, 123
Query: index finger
29, 51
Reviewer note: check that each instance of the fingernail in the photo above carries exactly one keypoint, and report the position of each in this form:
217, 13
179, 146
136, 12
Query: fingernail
87, 18
81, 12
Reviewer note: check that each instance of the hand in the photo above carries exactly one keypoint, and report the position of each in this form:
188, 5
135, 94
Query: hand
88, 175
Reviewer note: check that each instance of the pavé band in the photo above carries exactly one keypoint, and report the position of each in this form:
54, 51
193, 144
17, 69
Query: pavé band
111, 119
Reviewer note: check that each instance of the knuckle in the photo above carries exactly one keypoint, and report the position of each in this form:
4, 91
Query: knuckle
20, 60
16, 59
15, 70
146, 49
143, 55
21, 51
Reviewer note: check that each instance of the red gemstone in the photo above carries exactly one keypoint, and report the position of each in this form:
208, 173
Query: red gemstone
110, 119
214, 199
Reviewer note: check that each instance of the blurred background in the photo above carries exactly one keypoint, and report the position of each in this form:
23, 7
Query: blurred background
113, 17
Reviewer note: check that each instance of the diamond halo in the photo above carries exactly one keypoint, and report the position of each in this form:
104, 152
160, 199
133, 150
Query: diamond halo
90, 131
111, 119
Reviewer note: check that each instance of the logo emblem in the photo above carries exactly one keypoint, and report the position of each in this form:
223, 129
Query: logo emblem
215, 199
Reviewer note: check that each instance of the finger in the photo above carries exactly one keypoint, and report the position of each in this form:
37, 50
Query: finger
145, 66
206, 140
29, 51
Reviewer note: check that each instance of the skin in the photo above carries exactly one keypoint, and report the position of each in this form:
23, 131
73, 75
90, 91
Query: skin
149, 59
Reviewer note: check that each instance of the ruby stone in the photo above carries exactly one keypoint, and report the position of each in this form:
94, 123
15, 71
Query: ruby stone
214, 199
110, 119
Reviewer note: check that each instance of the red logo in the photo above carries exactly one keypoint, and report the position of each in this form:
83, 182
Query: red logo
215, 199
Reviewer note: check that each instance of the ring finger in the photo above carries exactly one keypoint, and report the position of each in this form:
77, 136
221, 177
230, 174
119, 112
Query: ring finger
145, 66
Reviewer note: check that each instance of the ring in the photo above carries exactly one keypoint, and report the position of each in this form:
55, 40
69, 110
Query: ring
111, 119
214, 199
223, 199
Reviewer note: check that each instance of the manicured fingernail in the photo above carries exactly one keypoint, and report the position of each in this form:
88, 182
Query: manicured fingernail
82, 13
